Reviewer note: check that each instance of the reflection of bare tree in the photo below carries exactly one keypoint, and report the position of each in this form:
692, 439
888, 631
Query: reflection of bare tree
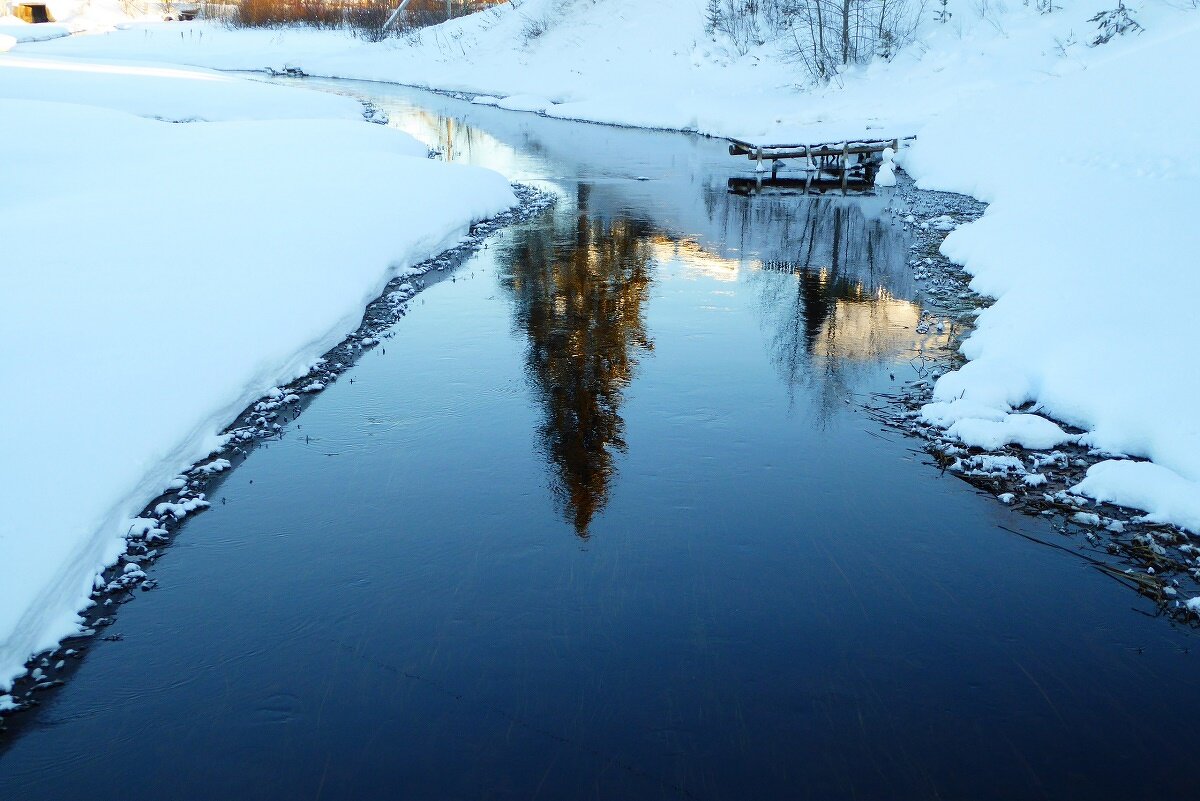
827, 302
579, 297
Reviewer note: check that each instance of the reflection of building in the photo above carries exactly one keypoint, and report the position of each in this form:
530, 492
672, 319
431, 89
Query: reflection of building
579, 297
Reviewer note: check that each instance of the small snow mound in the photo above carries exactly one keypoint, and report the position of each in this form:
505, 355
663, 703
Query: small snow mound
945, 414
215, 466
180, 510
1166, 496
988, 464
147, 529
887, 170
1026, 430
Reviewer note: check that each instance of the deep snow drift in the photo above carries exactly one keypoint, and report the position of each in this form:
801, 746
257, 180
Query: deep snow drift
158, 277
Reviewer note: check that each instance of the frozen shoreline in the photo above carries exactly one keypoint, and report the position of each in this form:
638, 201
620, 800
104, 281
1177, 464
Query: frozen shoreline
161, 520
1154, 558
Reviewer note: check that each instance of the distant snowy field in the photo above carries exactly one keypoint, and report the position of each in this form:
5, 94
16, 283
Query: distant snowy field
1085, 155
158, 277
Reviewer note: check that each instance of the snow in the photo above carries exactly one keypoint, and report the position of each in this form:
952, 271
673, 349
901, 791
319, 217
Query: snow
164, 92
179, 510
18, 30
1162, 493
1026, 430
524, 103
1084, 155
887, 170
159, 277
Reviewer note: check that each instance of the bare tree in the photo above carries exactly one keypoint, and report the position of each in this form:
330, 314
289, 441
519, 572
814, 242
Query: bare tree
824, 35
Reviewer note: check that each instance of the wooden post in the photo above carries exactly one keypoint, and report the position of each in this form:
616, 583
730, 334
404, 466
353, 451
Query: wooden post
845, 165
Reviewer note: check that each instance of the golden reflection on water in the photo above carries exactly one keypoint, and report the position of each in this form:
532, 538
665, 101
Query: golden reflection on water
580, 286
579, 300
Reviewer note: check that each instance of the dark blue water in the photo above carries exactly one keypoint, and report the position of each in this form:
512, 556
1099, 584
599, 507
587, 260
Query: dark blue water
606, 521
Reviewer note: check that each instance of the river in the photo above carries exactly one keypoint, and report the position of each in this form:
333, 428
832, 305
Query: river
605, 518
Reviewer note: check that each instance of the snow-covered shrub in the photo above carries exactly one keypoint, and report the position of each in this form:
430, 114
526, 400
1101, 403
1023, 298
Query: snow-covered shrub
825, 35
366, 20
745, 23
828, 35
1113, 23
533, 28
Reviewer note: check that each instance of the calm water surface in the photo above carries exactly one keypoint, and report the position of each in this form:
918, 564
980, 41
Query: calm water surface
605, 521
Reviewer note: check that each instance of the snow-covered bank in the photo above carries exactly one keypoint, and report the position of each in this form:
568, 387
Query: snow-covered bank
160, 276
1088, 252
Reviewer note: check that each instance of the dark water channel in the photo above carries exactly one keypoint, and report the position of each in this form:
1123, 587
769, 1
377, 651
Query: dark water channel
605, 521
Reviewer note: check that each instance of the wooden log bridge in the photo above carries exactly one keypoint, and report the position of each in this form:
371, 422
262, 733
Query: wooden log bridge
851, 163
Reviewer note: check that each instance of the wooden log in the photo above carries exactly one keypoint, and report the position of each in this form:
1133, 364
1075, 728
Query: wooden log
806, 151
855, 147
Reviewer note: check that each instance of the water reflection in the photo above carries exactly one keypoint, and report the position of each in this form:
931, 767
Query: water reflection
827, 275
831, 309
579, 300
581, 280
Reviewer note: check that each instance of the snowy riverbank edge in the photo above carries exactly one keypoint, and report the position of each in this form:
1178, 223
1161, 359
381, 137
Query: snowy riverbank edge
264, 419
160, 275
1158, 560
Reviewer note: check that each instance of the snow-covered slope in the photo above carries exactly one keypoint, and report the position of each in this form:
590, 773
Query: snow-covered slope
158, 277
1088, 246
